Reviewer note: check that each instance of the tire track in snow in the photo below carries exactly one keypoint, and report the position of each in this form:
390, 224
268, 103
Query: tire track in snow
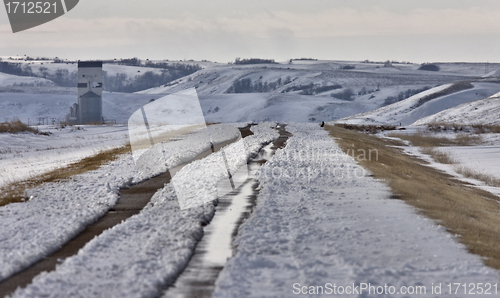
211, 253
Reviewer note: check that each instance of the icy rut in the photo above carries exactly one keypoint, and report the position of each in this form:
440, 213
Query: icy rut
320, 219
216, 246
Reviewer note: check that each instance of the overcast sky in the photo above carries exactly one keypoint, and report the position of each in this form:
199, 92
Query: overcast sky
221, 30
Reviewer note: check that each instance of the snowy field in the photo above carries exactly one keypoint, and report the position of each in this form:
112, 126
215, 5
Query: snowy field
481, 158
217, 80
257, 107
50, 67
27, 155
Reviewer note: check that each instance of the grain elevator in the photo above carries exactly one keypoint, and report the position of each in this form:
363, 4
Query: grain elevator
88, 110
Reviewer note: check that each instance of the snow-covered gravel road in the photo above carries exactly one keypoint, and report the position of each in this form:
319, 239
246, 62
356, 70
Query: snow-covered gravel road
312, 227
320, 220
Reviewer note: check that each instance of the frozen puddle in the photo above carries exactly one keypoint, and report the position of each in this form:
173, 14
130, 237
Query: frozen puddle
215, 248
222, 228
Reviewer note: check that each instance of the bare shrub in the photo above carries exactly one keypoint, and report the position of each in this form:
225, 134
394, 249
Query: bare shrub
16, 126
468, 140
439, 156
422, 139
347, 94
366, 128
474, 128
429, 67
470, 173
485, 128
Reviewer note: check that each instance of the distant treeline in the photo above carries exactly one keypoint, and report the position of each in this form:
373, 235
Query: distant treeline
404, 95
129, 61
429, 67
169, 72
15, 69
312, 89
247, 86
347, 67
122, 83
179, 67
28, 58
147, 63
61, 77
254, 61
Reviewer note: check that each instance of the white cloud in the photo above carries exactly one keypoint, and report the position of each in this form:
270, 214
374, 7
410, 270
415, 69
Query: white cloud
376, 22
231, 32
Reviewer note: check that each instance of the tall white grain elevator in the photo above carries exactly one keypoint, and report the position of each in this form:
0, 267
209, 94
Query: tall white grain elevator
89, 109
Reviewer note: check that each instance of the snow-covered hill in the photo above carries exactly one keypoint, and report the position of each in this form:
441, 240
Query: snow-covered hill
7, 80
298, 91
285, 98
483, 111
275, 107
425, 104
287, 78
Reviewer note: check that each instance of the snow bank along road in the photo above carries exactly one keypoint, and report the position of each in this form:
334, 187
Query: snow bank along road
321, 221
136, 258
